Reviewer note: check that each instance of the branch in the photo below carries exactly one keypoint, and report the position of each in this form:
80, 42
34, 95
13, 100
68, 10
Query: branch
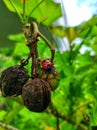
49, 45
52, 110
8, 127
83, 105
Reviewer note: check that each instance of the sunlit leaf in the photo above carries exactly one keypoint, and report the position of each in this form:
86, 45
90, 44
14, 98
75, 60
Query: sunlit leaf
47, 9
84, 68
71, 34
49, 128
94, 47
12, 113
59, 31
20, 49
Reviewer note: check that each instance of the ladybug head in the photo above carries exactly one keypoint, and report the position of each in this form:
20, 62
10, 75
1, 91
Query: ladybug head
47, 64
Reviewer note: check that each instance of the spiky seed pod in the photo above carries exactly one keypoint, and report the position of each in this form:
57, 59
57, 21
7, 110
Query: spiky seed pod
51, 76
36, 95
12, 80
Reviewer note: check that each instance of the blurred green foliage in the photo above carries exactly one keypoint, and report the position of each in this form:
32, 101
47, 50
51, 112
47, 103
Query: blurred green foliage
75, 99
43, 13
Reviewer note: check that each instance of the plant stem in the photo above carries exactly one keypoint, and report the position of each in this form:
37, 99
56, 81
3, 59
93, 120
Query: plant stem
33, 51
24, 10
8, 127
80, 106
32, 33
52, 110
49, 44
16, 10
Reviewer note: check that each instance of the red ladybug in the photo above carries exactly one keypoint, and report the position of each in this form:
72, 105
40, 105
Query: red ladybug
46, 64
50, 74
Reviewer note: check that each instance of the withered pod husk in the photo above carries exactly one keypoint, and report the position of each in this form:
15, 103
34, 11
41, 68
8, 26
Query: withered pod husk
52, 76
12, 80
36, 95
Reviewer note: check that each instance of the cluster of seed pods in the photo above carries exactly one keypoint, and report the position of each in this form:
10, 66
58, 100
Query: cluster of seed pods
36, 88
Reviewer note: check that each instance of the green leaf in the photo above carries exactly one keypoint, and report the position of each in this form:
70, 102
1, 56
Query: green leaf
49, 10
78, 85
59, 31
93, 118
66, 125
86, 25
71, 34
20, 49
10, 116
84, 68
43, 50
17, 37
94, 47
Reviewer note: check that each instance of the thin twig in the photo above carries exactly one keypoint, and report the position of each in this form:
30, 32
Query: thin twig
49, 44
52, 110
57, 123
7, 127
83, 105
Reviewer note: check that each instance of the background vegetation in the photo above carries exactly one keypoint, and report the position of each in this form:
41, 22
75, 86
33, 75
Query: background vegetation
74, 102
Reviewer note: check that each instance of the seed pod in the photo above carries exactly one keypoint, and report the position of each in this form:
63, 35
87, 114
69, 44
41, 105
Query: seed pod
12, 80
51, 76
36, 95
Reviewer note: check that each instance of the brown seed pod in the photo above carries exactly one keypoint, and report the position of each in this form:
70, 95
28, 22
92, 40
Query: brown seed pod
36, 95
12, 80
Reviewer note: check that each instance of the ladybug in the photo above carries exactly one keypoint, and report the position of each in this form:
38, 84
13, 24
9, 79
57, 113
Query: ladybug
50, 74
46, 64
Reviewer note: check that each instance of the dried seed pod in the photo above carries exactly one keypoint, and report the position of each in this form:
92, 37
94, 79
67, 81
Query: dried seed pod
12, 80
51, 76
36, 95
